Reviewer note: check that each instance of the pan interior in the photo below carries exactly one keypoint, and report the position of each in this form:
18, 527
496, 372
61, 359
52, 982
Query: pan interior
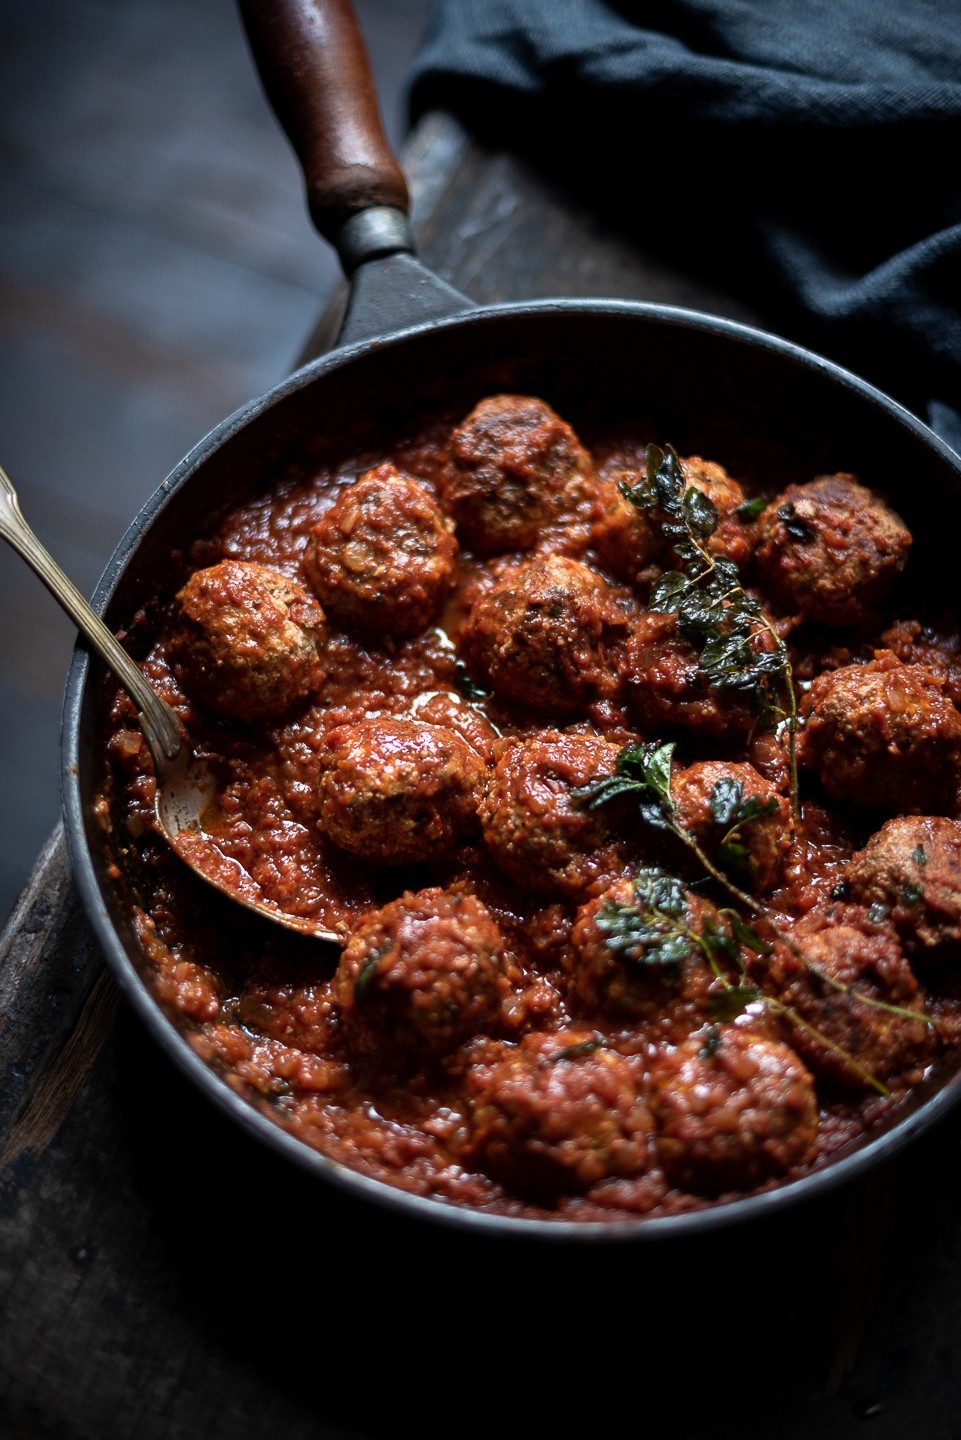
712, 389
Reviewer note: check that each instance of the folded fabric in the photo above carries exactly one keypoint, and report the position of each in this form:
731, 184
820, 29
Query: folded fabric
803, 152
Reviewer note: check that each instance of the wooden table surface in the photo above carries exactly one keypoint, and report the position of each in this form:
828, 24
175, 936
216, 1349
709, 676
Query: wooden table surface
161, 1275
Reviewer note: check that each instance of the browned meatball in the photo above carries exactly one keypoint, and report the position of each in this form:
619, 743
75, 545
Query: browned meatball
732, 1110
884, 735
632, 951
535, 826
830, 550
542, 636
627, 539
396, 790
382, 557
246, 641
912, 868
737, 817
827, 971
558, 1114
423, 974
936, 646
515, 466
669, 690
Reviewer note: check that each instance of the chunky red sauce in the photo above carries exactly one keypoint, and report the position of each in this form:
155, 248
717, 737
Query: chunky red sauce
447, 647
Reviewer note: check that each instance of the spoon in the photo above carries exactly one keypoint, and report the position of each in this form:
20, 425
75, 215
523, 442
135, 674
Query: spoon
186, 791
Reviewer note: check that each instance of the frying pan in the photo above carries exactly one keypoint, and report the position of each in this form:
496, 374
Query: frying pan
410, 341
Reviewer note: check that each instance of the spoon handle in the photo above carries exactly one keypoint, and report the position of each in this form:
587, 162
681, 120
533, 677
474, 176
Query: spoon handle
158, 722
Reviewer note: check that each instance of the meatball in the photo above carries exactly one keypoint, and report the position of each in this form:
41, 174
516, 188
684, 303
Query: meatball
558, 1114
535, 825
884, 735
543, 634
737, 817
628, 960
246, 641
422, 975
827, 970
936, 646
830, 550
515, 466
732, 1109
668, 688
395, 790
627, 539
912, 867
382, 557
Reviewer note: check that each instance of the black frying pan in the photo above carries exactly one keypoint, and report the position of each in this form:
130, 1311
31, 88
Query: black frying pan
407, 340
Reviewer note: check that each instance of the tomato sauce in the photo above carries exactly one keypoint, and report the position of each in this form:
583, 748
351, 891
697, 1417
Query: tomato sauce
467, 1118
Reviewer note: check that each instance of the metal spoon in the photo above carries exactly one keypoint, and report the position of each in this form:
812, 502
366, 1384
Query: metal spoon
186, 787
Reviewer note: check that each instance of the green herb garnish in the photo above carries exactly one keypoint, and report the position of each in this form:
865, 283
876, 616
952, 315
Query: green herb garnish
751, 509
714, 611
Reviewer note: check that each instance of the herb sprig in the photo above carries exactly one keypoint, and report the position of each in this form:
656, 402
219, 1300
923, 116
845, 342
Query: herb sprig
714, 612
644, 771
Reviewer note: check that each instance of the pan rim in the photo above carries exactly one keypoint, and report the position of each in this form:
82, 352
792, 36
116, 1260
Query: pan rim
865, 1153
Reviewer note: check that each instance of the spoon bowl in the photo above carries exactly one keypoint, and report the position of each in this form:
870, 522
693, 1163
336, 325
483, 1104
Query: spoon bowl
185, 803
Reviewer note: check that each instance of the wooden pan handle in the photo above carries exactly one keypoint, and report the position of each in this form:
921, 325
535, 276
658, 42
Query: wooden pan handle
317, 76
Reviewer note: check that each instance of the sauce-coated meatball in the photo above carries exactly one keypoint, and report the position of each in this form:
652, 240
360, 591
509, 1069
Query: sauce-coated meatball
830, 550
711, 796
936, 646
542, 636
423, 974
628, 961
557, 1114
628, 539
246, 641
912, 868
884, 735
669, 690
515, 466
382, 557
395, 790
828, 970
535, 826
732, 1110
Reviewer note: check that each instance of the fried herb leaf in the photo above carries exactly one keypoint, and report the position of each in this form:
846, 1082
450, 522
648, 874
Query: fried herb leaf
746, 934
751, 509
653, 930
797, 528
367, 971
726, 798
575, 1052
711, 1045
714, 612
467, 686
730, 1003
642, 770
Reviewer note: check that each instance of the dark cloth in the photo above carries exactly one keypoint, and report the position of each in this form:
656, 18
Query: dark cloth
806, 153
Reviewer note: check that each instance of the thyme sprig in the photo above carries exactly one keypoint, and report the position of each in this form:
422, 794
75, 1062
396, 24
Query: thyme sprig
644, 771
654, 930
714, 612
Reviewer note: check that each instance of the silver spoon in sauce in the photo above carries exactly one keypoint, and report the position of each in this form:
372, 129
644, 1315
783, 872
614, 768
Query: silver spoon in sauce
186, 793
